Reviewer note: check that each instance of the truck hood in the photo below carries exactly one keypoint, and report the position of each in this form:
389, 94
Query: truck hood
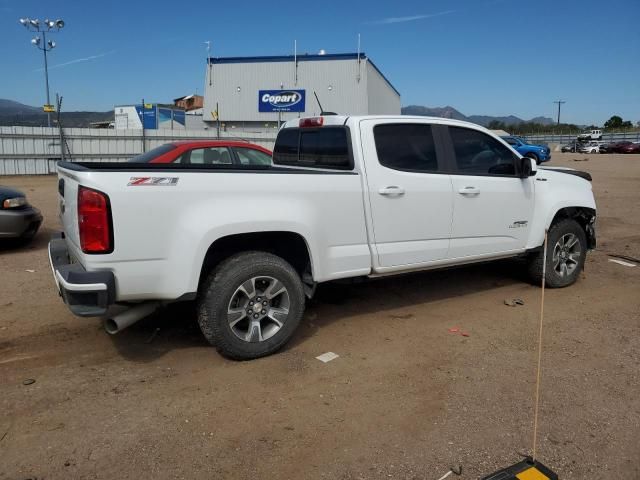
570, 171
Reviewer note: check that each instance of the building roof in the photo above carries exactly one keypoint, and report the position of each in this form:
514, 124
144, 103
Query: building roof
300, 58
187, 97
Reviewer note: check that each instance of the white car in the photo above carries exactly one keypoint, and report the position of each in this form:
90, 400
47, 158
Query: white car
591, 147
346, 197
591, 135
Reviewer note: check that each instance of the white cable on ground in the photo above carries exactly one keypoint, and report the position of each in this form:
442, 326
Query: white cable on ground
445, 475
537, 401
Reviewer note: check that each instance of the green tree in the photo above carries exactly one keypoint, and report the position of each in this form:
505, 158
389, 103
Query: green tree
614, 122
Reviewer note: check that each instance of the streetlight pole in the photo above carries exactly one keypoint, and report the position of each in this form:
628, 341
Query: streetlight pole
46, 74
34, 25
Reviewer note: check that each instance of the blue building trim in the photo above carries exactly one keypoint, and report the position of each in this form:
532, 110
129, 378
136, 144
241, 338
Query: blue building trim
300, 58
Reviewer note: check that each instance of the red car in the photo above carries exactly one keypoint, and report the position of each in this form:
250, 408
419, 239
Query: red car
207, 152
631, 148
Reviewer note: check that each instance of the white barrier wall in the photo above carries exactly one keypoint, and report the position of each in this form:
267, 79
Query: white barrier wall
35, 150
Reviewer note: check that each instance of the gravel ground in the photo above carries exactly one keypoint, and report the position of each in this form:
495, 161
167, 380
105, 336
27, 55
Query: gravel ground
406, 398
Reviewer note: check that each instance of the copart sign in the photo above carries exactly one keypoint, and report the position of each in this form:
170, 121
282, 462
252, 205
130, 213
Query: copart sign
281, 100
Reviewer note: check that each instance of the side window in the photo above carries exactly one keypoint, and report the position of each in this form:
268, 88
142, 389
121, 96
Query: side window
251, 156
207, 156
406, 146
511, 141
479, 154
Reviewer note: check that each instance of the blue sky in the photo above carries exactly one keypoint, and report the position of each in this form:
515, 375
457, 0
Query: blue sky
493, 57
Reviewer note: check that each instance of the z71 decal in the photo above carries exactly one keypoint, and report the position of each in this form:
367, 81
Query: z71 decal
153, 181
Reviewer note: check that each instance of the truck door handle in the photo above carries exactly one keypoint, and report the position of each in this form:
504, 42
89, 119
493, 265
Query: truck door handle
469, 191
392, 190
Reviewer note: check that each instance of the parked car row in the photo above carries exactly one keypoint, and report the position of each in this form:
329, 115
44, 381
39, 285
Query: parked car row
624, 146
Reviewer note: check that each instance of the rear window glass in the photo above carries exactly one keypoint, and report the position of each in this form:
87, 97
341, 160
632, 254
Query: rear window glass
326, 147
406, 146
151, 154
286, 148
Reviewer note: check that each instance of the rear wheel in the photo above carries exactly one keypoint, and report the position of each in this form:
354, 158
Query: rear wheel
251, 305
566, 254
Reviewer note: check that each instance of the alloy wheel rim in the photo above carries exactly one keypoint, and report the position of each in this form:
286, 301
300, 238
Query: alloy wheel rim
566, 254
258, 309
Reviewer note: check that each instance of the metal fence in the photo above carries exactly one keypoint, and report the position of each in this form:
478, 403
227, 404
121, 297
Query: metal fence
36, 150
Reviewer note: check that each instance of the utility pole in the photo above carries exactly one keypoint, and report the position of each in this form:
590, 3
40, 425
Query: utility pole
559, 102
60, 134
144, 142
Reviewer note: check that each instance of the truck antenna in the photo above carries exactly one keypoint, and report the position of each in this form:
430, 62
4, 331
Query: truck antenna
322, 112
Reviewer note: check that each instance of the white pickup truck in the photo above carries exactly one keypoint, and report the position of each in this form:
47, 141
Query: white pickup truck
345, 197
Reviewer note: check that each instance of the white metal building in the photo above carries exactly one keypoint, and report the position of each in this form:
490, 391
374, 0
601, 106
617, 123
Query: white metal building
255, 93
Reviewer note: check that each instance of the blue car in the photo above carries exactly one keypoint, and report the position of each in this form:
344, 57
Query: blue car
540, 153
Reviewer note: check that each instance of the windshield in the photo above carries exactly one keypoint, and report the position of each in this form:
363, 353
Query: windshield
151, 154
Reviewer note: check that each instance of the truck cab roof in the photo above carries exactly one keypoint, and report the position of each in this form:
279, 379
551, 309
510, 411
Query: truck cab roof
335, 120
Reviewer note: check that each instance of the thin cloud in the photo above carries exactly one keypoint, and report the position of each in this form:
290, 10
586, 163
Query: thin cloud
78, 60
412, 18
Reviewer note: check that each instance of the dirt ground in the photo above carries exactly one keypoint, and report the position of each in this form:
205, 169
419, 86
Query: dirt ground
405, 399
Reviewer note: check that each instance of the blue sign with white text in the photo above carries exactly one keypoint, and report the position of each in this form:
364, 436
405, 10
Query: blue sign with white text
147, 116
281, 100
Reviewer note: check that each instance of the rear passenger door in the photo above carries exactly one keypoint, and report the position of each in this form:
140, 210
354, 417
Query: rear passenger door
492, 206
410, 199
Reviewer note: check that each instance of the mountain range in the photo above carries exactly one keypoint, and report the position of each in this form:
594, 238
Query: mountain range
15, 113
484, 120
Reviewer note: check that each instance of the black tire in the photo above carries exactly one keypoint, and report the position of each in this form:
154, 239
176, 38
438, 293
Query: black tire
554, 278
533, 156
223, 286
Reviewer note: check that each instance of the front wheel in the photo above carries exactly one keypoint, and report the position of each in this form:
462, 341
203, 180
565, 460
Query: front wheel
533, 156
251, 305
566, 254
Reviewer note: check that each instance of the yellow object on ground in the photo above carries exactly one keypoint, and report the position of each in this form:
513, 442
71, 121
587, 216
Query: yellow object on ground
531, 474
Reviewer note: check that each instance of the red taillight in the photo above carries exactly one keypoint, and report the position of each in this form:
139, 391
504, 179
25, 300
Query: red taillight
311, 122
94, 221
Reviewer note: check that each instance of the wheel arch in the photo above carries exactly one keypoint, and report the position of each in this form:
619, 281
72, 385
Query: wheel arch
585, 217
291, 246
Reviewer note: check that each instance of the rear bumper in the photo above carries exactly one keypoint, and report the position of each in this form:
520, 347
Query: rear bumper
87, 294
18, 223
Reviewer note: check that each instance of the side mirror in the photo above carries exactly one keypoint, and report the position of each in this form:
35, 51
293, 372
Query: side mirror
526, 167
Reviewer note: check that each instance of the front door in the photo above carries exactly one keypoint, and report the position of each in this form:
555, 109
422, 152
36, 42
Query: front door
492, 206
410, 201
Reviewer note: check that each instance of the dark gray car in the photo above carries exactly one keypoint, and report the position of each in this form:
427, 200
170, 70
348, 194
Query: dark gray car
18, 219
